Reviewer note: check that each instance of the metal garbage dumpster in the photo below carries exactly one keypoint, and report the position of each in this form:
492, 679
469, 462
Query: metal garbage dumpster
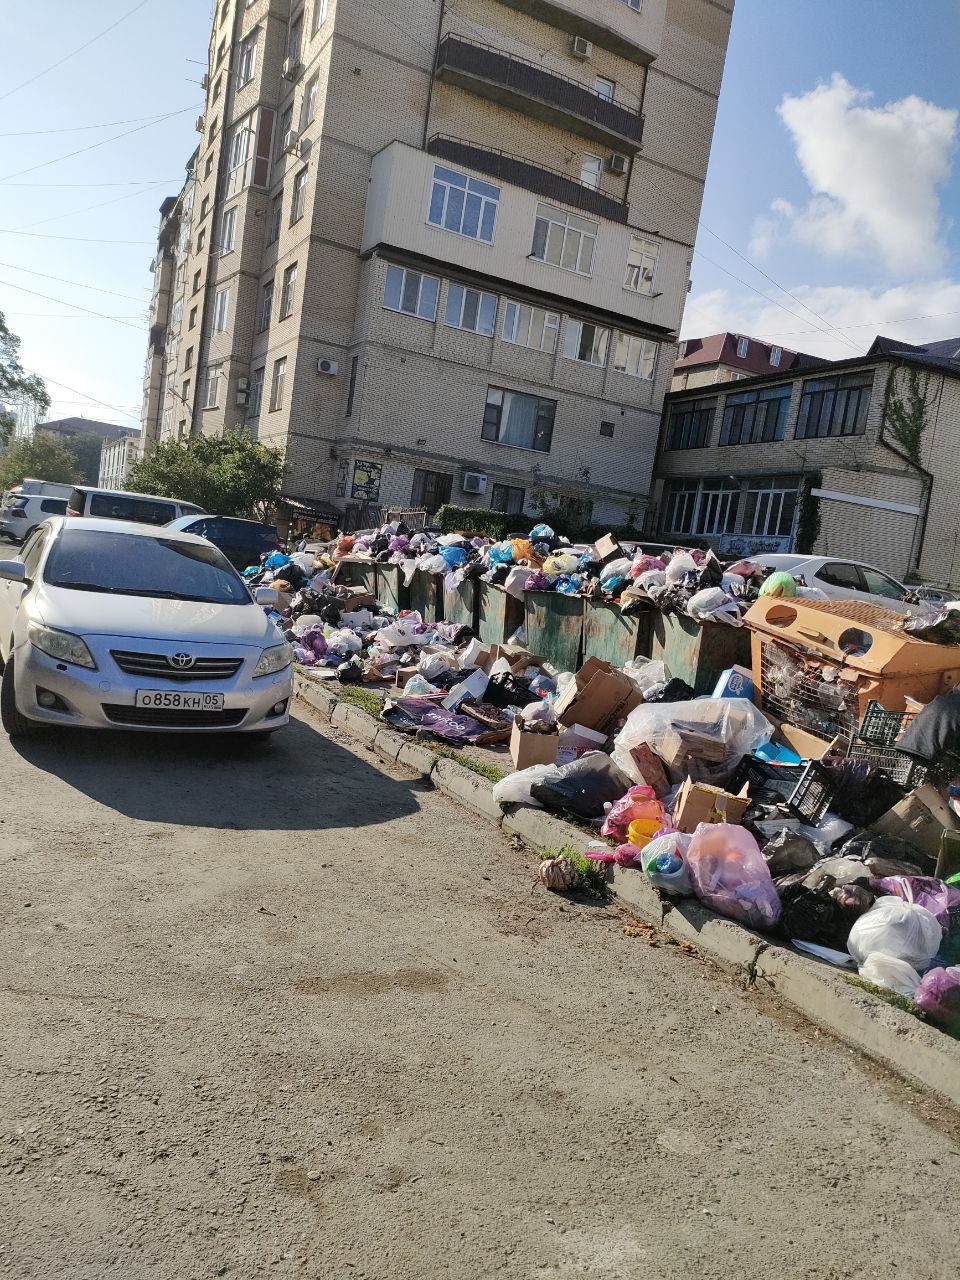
392, 591
499, 613
461, 605
612, 637
698, 652
426, 595
554, 626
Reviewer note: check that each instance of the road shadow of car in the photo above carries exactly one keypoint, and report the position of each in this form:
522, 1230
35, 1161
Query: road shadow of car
301, 781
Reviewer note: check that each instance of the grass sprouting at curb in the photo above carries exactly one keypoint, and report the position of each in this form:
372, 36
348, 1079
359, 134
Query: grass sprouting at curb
591, 877
488, 771
361, 698
899, 1002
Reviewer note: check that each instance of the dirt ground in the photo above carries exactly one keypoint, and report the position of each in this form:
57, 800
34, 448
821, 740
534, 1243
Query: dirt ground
287, 1014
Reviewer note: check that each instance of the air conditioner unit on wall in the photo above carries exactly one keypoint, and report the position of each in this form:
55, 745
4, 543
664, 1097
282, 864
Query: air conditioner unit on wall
617, 163
291, 68
291, 142
473, 482
205, 82
200, 124
581, 48
329, 367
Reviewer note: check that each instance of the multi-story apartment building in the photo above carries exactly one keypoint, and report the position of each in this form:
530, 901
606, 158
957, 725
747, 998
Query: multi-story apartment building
439, 249
730, 357
856, 459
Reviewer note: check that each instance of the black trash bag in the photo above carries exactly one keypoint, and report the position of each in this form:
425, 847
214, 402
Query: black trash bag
350, 672
824, 915
583, 787
934, 622
710, 574
788, 851
508, 690
886, 855
935, 732
675, 690
862, 793
473, 569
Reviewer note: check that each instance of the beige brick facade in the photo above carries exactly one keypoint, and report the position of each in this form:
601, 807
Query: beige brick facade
400, 392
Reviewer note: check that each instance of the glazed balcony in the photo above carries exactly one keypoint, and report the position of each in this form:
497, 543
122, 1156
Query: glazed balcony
533, 89
613, 24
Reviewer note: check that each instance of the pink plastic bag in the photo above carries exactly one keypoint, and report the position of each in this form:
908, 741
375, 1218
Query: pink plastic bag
938, 995
639, 802
924, 891
729, 874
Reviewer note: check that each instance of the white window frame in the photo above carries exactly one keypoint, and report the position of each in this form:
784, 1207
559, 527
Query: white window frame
320, 12
211, 387
277, 380
405, 273
555, 228
255, 402
643, 257
221, 310
776, 355
298, 199
591, 170
521, 323
240, 138
636, 5
177, 313
265, 310
633, 354
609, 90
247, 60
573, 339
228, 227
308, 107
458, 302
743, 348
276, 218
288, 291
454, 195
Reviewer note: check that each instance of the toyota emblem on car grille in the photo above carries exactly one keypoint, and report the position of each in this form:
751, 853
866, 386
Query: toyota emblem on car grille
182, 661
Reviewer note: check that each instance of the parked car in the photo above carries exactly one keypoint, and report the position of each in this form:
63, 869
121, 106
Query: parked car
21, 514
241, 541
117, 504
842, 579
107, 624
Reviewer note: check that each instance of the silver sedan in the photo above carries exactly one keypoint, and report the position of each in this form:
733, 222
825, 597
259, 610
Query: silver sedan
110, 625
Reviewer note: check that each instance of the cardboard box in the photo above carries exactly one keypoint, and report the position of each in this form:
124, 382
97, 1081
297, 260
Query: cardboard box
402, 675
528, 748
920, 818
697, 802
598, 697
651, 769
686, 752
577, 741
607, 548
515, 655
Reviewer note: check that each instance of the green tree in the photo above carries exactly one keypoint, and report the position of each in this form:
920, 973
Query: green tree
85, 450
42, 457
17, 387
229, 475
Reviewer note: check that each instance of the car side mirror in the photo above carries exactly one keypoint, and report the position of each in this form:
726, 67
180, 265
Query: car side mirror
268, 597
14, 571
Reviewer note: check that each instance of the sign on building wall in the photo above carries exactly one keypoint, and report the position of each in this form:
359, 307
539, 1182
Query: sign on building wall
366, 480
751, 544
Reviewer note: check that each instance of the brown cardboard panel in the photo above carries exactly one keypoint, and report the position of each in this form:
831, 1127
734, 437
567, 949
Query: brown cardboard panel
697, 802
528, 748
598, 697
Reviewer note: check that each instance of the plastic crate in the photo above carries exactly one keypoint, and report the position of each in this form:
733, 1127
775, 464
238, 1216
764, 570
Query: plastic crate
880, 727
812, 795
761, 775
898, 766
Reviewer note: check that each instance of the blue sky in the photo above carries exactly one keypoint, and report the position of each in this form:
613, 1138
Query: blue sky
846, 196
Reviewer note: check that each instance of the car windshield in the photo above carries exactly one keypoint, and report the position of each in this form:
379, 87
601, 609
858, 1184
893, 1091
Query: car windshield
133, 565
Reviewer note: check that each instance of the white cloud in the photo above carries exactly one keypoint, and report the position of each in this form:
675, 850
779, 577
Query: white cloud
874, 173
917, 312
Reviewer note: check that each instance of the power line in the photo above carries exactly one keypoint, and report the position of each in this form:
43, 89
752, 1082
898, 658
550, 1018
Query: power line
94, 145
76, 283
75, 128
40, 235
72, 213
51, 186
93, 399
76, 306
73, 53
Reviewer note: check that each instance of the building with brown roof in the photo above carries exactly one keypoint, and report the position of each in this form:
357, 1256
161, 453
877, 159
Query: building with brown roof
728, 357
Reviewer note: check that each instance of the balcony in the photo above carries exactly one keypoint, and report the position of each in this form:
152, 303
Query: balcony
549, 184
534, 90
612, 24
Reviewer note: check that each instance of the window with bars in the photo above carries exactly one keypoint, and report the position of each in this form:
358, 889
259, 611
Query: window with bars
834, 406
431, 490
689, 424
755, 417
508, 498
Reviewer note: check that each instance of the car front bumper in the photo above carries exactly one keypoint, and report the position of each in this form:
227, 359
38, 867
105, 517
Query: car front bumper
106, 699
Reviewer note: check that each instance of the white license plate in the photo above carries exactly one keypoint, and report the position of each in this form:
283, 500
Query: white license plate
168, 700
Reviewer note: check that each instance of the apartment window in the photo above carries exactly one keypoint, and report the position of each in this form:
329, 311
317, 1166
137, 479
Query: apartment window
276, 383
530, 327
247, 62
586, 342
564, 239
266, 307
743, 346
776, 355
276, 217
201, 240
208, 167
320, 10
352, 388
591, 171
217, 86
166, 422
431, 490
507, 498
636, 356
221, 308
641, 265
471, 309
634, 4
221, 50
299, 200
688, 426
196, 281
607, 429
605, 88
769, 508
294, 40
177, 311
211, 388
240, 140
185, 390
525, 422
288, 290
411, 292
286, 120
181, 273
228, 226
679, 507
188, 358
834, 406
755, 417
212, 131
308, 108
256, 392
193, 318
463, 205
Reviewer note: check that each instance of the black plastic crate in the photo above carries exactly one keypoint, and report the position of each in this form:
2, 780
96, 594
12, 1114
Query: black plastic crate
880, 727
812, 796
761, 775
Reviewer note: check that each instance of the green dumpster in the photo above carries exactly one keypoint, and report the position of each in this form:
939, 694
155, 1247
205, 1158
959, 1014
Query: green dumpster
613, 638
500, 613
426, 595
698, 652
461, 604
554, 625
392, 591
358, 573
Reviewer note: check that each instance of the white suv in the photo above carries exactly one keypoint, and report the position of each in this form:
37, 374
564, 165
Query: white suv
22, 512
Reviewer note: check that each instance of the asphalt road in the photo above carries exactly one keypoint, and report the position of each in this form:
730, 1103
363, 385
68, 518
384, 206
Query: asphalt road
282, 1014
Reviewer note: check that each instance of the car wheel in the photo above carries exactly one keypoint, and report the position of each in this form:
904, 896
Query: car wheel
16, 725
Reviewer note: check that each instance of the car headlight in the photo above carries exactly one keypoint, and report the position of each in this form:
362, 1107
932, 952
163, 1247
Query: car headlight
62, 645
274, 659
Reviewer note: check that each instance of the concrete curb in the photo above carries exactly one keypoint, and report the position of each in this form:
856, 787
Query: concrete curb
892, 1037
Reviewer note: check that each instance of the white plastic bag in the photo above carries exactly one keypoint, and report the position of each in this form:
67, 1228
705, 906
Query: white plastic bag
515, 787
344, 643
616, 569
434, 564
890, 972
680, 565
714, 605
307, 622
471, 655
646, 674
896, 928
432, 665
735, 722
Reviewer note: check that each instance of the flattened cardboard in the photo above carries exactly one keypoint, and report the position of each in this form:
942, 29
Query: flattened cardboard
607, 548
920, 818
697, 802
528, 748
598, 696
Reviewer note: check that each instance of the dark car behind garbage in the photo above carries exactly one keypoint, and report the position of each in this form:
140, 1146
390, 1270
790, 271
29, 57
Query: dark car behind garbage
241, 541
